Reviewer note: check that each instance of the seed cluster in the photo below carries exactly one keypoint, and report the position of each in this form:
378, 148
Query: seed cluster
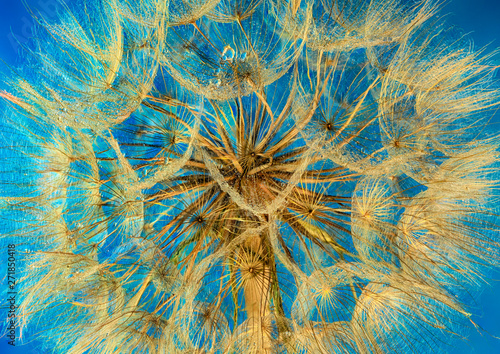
252, 176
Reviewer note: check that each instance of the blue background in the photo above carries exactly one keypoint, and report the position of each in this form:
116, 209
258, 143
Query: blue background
479, 18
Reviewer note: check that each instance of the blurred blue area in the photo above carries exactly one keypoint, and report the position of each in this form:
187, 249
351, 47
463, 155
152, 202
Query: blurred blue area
479, 18
17, 25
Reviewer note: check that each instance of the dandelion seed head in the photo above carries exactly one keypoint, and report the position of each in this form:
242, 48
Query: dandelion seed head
251, 176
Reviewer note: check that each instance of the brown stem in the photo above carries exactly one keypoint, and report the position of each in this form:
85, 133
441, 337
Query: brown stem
256, 288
